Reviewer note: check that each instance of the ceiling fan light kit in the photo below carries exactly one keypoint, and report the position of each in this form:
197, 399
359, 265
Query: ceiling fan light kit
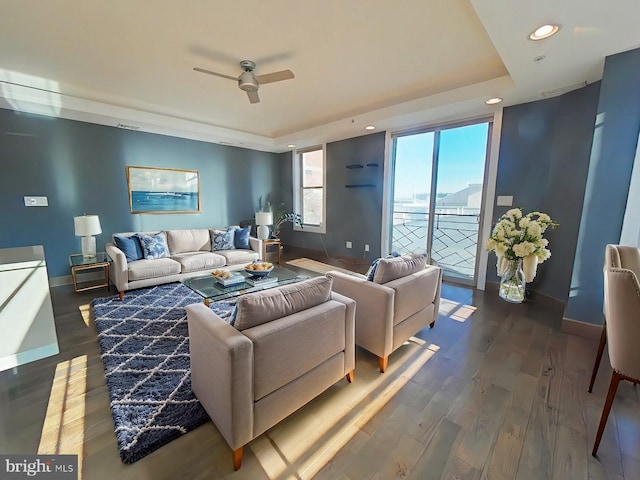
248, 81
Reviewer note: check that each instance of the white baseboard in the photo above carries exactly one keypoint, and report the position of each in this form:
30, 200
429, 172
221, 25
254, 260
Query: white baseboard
582, 329
58, 281
68, 279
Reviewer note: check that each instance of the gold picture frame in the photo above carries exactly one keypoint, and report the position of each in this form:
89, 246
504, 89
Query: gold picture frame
163, 190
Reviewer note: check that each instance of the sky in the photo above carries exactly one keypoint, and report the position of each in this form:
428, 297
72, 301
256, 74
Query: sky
461, 160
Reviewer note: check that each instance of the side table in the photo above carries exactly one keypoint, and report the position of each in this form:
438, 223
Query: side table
270, 241
81, 264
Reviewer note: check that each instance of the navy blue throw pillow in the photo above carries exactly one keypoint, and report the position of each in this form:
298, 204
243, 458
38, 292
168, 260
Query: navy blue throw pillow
232, 317
241, 239
130, 246
372, 269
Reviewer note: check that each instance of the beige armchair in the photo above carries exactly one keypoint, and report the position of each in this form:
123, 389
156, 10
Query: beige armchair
622, 323
402, 299
288, 344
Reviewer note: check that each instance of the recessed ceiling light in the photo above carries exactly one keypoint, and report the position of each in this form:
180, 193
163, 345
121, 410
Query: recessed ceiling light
291, 145
493, 101
545, 31
370, 127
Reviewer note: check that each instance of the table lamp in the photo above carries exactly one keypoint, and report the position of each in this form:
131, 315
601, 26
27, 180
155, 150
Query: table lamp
262, 220
86, 226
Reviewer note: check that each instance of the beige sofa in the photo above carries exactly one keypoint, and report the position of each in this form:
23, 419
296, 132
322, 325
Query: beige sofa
288, 344
190, 255
402, 299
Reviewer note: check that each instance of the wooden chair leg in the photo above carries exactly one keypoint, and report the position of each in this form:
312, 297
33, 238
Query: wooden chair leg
596, 366
613, 388
383, 362
121, 292
237, 458
350, 376
432, 324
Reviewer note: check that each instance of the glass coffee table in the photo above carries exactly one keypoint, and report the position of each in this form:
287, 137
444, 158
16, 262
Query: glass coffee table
208, 288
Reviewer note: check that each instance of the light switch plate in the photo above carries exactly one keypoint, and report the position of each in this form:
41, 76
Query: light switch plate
504, 200
36, 202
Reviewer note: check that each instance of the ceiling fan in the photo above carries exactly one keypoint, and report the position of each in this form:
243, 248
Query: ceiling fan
248, 81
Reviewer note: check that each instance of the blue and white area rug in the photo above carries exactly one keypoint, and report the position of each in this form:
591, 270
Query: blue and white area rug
145, 351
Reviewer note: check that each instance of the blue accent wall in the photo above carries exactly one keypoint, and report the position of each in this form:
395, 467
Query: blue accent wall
612, 156
80, 167
353, 213
543, 163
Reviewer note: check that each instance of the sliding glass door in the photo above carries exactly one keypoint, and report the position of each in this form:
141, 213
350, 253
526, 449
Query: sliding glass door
438, 178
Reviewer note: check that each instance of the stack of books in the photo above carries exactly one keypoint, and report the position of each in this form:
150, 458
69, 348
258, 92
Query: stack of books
234, 279
257, 281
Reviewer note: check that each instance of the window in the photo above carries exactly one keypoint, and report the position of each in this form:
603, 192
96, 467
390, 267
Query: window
308, 186
438, 185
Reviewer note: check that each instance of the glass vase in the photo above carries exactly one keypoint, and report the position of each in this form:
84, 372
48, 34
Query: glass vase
512, 283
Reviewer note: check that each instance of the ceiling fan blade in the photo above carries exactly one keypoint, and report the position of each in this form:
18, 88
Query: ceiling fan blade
253, 97
209, 72
275, 77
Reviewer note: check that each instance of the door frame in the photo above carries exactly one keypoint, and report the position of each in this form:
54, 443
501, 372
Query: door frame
488, 190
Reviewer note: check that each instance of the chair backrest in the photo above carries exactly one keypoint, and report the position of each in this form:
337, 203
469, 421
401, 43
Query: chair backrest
622, 308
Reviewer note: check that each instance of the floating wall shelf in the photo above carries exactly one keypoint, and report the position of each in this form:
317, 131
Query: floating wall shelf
362, 179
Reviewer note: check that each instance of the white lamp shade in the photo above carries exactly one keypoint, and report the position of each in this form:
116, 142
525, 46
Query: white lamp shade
86, 225
264, 218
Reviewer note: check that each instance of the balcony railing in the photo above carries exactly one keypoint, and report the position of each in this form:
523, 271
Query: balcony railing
455, 238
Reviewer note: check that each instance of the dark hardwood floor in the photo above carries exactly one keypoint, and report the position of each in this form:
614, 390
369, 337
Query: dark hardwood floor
494, 391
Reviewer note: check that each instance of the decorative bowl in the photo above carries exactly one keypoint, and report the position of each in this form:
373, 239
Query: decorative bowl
258, 273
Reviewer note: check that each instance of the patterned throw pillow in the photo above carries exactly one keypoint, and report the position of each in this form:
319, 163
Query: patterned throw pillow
153, 246
223, 240
372, 269
232, 318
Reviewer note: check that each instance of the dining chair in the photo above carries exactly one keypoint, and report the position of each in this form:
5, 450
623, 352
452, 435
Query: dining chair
621, 330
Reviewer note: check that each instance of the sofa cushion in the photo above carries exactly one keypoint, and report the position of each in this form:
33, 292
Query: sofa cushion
414, 292
391, 268
194, 261
195, 240
238, 256
285, 350
153, 246
241, 239
374, 266
262, 307
223, 239
143, 269
130, 246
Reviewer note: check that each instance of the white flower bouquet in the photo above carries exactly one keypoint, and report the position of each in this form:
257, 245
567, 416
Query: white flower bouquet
517, 236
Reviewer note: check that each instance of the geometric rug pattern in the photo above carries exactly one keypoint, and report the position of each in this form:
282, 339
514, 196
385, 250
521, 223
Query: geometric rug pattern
145, 352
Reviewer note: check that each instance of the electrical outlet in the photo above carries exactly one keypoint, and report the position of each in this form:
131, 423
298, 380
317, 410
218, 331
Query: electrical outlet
504, 200
366, 247
349, 245
36, 202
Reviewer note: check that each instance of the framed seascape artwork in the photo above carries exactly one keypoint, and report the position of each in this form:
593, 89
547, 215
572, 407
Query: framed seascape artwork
163, 190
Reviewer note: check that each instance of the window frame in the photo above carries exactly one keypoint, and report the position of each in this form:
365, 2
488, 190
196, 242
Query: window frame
298, 189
